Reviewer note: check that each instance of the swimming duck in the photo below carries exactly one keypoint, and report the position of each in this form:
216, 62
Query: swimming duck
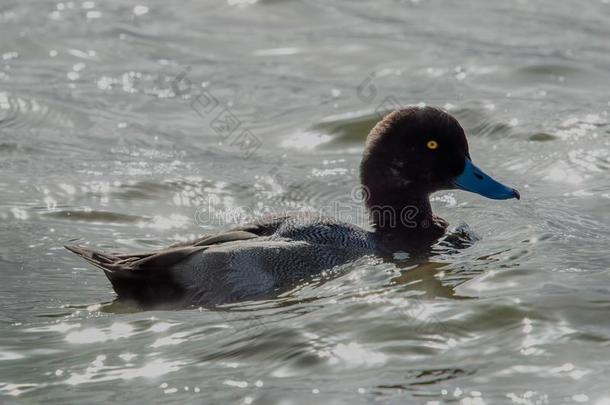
409, 154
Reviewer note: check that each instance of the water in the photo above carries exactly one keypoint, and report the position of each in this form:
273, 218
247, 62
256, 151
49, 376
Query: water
108, 134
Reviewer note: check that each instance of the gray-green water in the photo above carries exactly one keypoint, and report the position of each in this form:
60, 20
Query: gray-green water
108, 134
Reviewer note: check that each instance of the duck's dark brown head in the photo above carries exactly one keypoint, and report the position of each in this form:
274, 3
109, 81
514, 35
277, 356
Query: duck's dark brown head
416, 151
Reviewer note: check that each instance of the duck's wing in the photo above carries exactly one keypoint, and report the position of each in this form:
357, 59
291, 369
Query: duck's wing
117, 261
154, 259
262, 227
147, 276
142, 277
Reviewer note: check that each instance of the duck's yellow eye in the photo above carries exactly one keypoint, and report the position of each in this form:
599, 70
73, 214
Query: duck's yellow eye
432, 144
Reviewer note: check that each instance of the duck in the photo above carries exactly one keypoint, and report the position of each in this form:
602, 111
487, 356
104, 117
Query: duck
408, 155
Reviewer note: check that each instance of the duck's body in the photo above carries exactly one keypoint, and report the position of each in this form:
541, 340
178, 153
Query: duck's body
244, 263
408, 155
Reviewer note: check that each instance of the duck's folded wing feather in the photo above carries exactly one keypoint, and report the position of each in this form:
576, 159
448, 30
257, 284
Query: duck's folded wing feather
262, 227
149, 277
143, 278
128, 264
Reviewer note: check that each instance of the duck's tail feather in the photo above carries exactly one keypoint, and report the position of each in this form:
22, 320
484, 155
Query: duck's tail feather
102, 260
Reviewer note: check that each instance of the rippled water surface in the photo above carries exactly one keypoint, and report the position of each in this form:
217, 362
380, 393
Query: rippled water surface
109, 134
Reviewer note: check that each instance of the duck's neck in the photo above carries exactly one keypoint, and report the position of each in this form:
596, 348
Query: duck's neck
398, 218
